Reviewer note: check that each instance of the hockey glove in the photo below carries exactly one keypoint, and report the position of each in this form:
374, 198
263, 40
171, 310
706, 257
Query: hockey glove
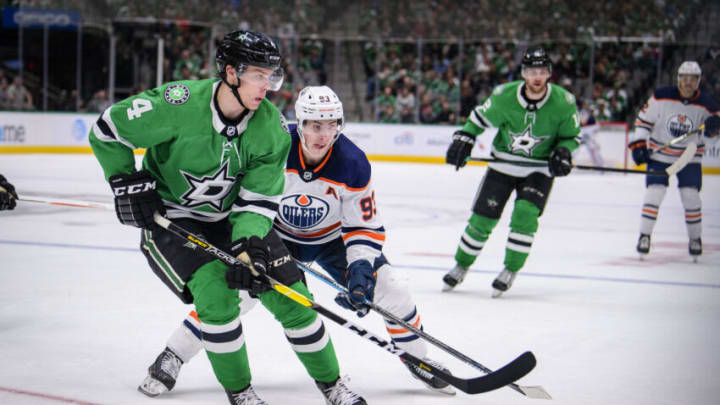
250, 273
361, 278
136, 199
560, 163
460, 149
640, 153
8, 196
712, 126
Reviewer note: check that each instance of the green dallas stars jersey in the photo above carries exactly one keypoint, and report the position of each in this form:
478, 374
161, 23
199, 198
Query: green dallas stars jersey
526, 135
200, 172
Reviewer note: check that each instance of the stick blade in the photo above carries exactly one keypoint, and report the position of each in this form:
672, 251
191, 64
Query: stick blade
683, 160
510, 373
534, 391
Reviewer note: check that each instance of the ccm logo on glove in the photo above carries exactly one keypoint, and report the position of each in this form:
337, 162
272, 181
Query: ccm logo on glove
134, 188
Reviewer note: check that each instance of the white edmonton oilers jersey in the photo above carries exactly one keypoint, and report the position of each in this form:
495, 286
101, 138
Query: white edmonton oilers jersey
666, 116
335, 199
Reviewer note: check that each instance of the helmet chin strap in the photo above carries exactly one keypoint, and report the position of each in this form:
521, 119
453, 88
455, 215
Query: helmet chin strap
234, 90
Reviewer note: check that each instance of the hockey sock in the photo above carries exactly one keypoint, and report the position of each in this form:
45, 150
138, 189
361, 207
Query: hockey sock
221, 330
306, 333
393, 294
186, 341
654, 195
473, 239
690, 197
523, 225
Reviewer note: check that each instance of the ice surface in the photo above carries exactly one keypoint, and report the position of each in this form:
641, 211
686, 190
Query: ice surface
82, 315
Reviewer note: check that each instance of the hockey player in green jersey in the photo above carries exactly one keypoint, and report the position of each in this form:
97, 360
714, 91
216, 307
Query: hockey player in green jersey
215, 163
537, 130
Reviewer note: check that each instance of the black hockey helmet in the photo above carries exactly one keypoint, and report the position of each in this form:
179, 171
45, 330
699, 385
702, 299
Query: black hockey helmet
247, 48
536, 57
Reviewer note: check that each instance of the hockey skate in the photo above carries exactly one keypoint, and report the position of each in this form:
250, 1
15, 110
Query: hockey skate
162, 374
430, 380
245, 397
337, 393
503, 282
643, 245
695, 249
454, 277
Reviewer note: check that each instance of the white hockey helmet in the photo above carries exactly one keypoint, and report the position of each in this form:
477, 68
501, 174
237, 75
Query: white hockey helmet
690, 67
318, 103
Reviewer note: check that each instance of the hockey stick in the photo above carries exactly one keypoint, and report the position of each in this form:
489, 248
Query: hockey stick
509, 373
687, 154
678, 165
536, 392
597, 168
67, 203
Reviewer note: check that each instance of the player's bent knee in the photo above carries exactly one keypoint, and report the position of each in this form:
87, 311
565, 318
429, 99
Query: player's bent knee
654, 194
392, 292
215, 302
690, 197
524, 217
482, 225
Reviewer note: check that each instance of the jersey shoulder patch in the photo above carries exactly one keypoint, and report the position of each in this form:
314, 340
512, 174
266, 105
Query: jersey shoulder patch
499, 89
177, 94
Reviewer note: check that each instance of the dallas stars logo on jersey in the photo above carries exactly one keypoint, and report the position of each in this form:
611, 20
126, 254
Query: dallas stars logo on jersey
524, 142
210, 190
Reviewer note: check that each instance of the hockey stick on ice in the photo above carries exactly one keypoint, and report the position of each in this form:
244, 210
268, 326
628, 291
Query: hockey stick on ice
67, 203
536, 392
504, 376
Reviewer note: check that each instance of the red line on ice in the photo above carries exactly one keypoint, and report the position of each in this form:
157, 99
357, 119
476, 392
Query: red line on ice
46, 396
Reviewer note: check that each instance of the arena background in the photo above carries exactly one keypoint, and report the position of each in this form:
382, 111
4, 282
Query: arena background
425, 63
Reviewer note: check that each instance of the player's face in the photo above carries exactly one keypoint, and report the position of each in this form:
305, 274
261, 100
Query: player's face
536, 78
255, 83
319, 136
687, 84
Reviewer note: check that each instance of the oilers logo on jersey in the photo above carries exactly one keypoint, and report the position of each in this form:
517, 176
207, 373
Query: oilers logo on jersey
679, 124
302, 211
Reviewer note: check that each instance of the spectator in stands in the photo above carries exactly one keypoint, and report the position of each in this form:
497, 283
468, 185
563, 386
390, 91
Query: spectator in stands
405, 101
19, 98
4, 99
99, 102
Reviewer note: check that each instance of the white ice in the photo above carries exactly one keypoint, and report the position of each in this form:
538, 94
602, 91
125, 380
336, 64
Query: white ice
82, 315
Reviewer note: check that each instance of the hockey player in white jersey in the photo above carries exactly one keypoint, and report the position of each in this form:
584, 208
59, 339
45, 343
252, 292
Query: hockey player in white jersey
672, 112
327, 215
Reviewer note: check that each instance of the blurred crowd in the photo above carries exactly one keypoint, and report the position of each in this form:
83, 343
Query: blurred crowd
436, 61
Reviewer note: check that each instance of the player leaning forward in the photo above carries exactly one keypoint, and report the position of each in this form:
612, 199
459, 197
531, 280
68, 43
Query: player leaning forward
328, 215
537, 130
215, 163
671, 112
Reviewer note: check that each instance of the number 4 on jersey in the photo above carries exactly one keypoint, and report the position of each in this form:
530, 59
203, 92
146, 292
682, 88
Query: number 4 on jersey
139, 106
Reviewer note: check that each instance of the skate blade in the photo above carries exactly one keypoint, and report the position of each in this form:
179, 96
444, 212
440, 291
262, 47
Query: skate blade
152, 387
695, 259
447, 287
497, 293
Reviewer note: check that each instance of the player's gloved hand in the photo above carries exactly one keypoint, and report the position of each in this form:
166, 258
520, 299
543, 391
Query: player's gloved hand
640, 153
136, 199
712, 126
253, 254
560, 162
8, 196
361, 278
460, 149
